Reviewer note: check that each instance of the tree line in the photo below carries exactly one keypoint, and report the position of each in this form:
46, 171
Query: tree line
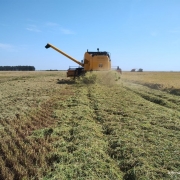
17, 68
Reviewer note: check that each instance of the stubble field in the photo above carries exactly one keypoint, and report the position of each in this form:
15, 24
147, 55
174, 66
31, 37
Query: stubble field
103, 126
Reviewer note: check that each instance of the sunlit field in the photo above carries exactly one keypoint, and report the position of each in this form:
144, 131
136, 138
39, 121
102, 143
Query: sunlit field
168, 81
104, 125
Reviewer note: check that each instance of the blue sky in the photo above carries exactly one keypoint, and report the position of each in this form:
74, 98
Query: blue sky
138, 33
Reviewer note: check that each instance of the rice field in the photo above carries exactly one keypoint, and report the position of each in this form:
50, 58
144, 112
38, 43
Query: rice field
101, 126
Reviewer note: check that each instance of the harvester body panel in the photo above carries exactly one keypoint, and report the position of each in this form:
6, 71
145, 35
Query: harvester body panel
97, 61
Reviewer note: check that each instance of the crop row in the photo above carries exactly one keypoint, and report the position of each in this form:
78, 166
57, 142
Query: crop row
139, 133
122, 130
24, 155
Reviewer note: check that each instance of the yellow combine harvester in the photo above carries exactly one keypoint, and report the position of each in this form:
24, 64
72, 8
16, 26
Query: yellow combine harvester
93, 61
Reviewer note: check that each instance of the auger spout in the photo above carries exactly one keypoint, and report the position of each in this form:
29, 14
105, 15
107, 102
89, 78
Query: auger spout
63, 53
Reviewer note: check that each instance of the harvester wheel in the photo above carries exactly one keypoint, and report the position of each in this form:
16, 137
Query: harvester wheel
75, 73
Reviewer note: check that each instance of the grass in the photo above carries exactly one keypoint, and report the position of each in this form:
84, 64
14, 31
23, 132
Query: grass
102, 126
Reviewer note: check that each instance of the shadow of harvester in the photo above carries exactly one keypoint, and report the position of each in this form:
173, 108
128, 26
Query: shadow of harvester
65, 81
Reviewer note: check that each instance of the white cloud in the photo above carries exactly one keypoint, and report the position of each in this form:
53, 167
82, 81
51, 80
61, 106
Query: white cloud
33, 28
51, 24
5, 46
56, 27
66, 31
12, 48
